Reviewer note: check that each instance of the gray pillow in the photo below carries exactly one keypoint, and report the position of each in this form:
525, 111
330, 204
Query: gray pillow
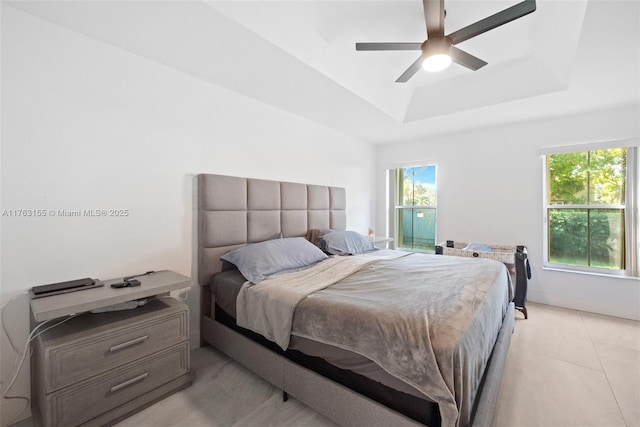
346, 243
257, 261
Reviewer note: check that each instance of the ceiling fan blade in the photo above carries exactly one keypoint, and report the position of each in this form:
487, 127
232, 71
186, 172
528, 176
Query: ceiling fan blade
388, 46
514, 12
434, 17
410, 71
466, 59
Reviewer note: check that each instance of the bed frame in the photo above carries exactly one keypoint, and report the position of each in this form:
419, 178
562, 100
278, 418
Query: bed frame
233, 212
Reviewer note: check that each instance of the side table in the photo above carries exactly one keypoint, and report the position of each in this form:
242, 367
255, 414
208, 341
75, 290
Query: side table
96, 369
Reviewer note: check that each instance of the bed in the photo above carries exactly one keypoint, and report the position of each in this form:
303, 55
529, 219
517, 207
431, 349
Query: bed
445, 370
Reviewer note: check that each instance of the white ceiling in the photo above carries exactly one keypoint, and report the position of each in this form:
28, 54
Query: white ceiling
567, 57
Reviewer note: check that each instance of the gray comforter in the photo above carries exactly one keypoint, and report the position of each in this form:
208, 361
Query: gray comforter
431, 321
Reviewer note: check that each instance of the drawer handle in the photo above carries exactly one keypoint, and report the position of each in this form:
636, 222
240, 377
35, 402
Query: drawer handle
128, 343
129, 382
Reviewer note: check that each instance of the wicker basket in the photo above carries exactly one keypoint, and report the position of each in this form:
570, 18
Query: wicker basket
503, 253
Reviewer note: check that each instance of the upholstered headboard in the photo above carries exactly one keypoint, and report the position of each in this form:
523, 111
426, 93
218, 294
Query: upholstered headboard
233, 212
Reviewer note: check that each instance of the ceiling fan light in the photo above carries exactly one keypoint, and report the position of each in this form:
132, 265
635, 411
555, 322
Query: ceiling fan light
437, 62
437, 54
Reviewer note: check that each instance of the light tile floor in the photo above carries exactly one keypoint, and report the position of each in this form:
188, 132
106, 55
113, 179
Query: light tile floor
571, 368
564, 368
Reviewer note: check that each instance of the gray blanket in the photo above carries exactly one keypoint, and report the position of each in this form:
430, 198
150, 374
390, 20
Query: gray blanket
268, 307
430, 321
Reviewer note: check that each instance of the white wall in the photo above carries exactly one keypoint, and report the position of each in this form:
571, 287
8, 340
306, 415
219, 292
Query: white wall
490, 190
86, 125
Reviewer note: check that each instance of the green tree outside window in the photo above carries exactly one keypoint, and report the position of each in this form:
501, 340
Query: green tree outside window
585, 208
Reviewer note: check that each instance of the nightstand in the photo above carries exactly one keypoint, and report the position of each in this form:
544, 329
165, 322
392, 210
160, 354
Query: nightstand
96, 369
380, 242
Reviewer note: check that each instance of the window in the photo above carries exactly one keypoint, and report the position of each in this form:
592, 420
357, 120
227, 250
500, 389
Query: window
589, 219
415, 208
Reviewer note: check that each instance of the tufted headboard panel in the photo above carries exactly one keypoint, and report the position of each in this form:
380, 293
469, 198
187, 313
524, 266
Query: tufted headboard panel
234, 211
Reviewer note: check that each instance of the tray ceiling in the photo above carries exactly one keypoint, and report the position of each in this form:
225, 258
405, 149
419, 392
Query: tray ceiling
299, 56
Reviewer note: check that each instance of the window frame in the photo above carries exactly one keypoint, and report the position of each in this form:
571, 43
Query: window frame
630, 208
393, 205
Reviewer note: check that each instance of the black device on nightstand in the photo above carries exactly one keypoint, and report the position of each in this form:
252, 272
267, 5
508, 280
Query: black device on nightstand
127, 283
64, 287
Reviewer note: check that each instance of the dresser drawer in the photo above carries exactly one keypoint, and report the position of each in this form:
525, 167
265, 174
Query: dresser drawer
97, 350
81, 402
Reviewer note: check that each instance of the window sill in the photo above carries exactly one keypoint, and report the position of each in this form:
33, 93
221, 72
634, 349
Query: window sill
417, 251
592, 273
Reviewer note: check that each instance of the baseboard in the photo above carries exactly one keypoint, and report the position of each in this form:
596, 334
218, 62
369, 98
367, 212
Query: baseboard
572, 303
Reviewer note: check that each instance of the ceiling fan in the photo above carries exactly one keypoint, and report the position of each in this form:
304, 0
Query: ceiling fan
438, 51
